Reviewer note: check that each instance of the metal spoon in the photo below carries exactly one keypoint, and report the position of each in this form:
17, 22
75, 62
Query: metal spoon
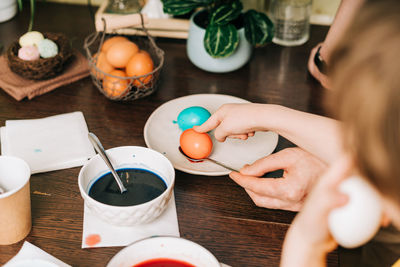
209, 159
2, 190
100, 149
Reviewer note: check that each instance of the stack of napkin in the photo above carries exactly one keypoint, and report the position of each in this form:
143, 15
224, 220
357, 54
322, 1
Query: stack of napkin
47, 144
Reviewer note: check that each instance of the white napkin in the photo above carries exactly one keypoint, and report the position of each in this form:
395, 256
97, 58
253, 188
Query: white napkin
97, 233
47, 144
29, 251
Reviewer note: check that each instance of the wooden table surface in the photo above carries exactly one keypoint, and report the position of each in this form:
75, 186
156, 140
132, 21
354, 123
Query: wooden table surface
212, 211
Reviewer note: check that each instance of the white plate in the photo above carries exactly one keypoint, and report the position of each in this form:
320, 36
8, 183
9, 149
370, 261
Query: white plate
162, 135
31, 263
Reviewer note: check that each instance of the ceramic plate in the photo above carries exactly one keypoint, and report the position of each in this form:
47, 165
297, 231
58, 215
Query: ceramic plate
162, 135
31, 263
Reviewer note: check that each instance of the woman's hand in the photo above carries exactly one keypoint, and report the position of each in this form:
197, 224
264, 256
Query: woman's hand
300, 171
235, 121
315, 72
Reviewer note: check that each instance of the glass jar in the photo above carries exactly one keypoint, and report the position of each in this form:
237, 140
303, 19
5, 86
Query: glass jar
124, 6
292, 21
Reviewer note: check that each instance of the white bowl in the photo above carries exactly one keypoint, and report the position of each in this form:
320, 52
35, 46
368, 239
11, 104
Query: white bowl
170, 247
128, 157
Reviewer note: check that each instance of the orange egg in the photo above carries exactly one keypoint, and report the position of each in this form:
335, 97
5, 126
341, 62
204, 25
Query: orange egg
113, 40
140, 64
115, 87
145, 52
120, 53
102, 64
195, 145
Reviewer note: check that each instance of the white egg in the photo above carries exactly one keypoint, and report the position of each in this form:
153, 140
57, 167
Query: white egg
30, 38
357, 222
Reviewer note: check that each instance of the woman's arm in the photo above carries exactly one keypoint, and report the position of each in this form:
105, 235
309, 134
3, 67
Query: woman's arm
315, 134
343, 18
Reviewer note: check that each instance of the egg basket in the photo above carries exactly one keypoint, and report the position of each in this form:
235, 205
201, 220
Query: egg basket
133, 87
42, 68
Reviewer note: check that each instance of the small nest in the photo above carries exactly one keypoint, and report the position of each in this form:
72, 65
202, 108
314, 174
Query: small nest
42, 68
124, 88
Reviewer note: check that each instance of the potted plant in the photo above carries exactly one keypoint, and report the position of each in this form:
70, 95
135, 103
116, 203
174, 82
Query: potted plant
221, 35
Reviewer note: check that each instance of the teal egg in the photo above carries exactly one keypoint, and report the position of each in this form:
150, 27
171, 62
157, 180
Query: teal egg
47, 48
192, 116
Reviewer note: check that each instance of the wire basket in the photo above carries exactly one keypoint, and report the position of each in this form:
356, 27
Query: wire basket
42, 68
124, 88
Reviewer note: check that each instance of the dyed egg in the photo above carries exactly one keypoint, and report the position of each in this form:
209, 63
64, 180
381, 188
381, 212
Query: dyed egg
119, 53
192, 116
111, 41
140, 64
195, 145
357, 222
29, 52
102, 64
115, 87
47, 48
30, 38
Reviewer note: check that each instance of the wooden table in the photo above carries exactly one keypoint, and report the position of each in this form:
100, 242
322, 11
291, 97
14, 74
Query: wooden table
212, 211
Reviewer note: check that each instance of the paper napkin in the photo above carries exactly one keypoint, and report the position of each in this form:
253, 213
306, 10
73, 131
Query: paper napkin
97, 233
29, 251
47, 144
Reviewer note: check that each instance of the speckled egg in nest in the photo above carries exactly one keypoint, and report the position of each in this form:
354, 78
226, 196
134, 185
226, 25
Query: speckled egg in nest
42, 68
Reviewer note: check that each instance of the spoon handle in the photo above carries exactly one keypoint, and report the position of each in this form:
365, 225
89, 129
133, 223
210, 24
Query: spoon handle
100, 149
221, 164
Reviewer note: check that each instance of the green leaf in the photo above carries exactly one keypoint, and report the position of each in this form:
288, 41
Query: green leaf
19, 5
32, 15
258, 28
225, 13
181, 7
221, 40
32, 3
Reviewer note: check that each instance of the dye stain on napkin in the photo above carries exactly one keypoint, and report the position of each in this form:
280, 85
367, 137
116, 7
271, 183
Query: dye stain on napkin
92, 240
142, 186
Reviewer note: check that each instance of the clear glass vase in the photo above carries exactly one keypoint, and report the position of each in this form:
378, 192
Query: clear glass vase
124, 6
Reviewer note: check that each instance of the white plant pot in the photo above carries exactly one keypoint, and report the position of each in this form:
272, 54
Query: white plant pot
8, 9
200, 58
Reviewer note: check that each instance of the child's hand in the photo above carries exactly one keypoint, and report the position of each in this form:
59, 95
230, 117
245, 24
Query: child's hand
301, 170
235, 121
308, 239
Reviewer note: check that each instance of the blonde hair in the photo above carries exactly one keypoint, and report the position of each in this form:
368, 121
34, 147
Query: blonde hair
365, 72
